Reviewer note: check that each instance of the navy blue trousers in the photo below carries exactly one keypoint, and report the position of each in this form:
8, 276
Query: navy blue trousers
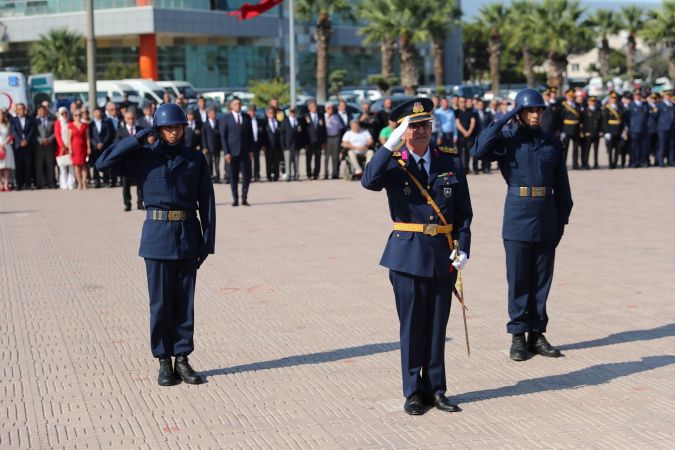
638, 149
171, 285
664, 148
529, 272
423, 306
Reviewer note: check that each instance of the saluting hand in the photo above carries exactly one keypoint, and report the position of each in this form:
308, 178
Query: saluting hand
392, 143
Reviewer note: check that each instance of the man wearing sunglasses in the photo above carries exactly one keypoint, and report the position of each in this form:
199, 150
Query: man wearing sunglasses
430, 206
537, 208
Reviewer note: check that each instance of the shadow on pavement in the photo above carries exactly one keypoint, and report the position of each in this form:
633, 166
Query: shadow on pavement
283, 202
590, 376
311, 358
625, 336
18, 212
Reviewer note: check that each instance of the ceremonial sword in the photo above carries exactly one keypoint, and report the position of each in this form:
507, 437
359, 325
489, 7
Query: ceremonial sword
458, 290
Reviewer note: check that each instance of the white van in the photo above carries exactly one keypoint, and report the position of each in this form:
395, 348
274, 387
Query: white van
13, 89
68, 91
148, 90
114, 88
177, 87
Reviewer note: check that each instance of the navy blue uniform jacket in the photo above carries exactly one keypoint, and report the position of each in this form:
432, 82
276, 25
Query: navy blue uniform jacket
638, 117
666, 117
182, 183
528, 158
416, 253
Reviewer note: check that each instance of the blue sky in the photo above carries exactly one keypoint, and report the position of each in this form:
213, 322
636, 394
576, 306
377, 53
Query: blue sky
471, 7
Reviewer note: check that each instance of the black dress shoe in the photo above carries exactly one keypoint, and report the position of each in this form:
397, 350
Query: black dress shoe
537, 343
235, 203
127, 207
441, 402
518, 347
414, 405
245, 203
140, 207
166, 376
185, 372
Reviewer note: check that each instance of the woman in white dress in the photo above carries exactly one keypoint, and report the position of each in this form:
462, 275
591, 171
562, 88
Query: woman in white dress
62, 134
7, 163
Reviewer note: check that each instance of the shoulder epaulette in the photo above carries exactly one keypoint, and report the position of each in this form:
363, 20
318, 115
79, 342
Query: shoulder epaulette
396, 154
449, 150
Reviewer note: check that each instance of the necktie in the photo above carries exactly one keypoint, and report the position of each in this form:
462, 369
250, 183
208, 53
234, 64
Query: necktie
133, 131
424, 176
238, 120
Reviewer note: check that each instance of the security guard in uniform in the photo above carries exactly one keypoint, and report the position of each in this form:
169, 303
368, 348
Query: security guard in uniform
612, 125
430, 206
571, 127
537, 207
176, 183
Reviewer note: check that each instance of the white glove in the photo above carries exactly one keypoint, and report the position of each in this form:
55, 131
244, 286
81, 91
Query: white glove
608, 137
461, 261
396, 135
562, 136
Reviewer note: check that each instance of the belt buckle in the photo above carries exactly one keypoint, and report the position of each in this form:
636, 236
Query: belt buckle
175, 215
523, 191
431, 229
538, 191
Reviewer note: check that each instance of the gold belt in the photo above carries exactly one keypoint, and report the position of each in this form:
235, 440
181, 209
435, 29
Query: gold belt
171, 216
533, 191
431, 229
570, 122
613, 122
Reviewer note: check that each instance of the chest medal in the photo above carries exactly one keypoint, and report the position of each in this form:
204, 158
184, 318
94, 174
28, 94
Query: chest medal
407, 190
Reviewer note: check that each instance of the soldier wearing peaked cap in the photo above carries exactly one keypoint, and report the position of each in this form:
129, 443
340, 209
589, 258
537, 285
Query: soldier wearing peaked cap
571, 127
591, 124
638, 113
612, 125
430, 206
176, 184
537, 207
665, 128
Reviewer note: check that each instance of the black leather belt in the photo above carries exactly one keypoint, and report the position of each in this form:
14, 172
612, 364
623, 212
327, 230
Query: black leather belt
171, 216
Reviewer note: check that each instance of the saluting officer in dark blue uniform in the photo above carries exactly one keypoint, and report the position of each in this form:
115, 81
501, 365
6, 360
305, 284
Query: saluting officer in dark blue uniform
418, 252
176, 183
637, 127
537, 207
665, 127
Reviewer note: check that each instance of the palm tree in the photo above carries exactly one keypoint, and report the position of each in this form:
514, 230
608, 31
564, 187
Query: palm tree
493, 17
605, 22
562, 31
440, 16
323, 10
61, 52
380, 30
660, 30
633, 21
521, 35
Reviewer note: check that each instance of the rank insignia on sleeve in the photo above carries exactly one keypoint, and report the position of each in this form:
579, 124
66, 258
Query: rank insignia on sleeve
449, 150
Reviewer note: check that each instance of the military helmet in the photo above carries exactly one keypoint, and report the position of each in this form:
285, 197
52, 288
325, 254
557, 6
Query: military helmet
169, 114
530, 98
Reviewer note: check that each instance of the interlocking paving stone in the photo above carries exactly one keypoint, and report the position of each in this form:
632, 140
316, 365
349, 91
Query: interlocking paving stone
297, 332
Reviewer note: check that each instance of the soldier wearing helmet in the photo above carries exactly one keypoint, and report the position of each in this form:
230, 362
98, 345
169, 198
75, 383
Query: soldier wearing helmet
178, 233
537, 207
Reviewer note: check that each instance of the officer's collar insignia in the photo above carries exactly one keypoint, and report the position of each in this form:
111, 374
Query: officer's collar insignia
417, 108
449, 150
404, 155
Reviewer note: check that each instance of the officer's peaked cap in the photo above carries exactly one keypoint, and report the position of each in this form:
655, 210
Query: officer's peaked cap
530, 98
169, 114
417, 110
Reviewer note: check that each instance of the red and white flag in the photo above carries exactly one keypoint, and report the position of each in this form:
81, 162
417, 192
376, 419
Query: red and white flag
248, 11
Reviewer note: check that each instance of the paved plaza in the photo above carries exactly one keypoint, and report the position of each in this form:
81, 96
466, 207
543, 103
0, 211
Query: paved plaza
297, 328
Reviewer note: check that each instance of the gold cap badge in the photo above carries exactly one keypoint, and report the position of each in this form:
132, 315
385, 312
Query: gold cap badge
417, 108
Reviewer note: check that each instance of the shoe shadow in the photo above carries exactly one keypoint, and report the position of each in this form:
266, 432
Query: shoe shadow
590, 376
623, 337
305, 200
311, 358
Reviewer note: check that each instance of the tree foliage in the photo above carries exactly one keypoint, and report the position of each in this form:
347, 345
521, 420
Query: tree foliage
61, 52
265, 90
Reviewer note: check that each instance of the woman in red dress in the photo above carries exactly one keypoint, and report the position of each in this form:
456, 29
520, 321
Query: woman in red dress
79, 146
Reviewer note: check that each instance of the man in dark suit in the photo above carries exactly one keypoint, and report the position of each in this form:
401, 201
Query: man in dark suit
130, 129
551, 121
44, 150
291, 141
192, 136
258, 128
212, 143
200, 113
315, 139
571, 128
146, 121
272, 144
101, 136
24, 131
483, 120
237, 137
